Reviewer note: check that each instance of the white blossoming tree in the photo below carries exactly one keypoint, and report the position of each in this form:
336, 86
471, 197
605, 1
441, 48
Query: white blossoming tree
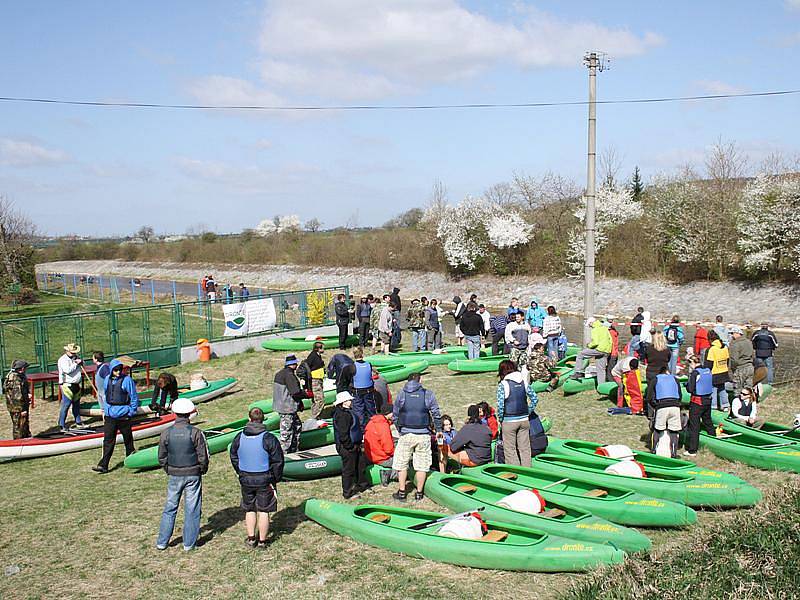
278, 224
768, 225
615, 207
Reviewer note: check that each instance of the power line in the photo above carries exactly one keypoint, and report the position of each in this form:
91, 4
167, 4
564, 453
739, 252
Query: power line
156, 105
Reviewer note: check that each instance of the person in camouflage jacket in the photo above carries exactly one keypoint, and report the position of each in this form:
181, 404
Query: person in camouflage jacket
416, 323
540, 367
15, 388
374, 317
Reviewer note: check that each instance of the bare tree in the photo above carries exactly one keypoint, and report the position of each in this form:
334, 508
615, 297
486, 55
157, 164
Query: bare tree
313, 225
536, 192
777, 163
17, 233
146, 234
610, 166
501, 194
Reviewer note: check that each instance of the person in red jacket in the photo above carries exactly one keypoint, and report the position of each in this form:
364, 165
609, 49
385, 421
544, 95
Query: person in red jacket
700, 340
379, 443
488, 418
614, 349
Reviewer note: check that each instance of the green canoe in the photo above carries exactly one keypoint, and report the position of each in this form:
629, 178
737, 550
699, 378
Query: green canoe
575, 386
433, 357
219, 437
211, 391
288, 344
484, 364
677, 466
313, 463
659, 484
516, 548
617, 504
746, 446
769, 430
609, 389
461, 493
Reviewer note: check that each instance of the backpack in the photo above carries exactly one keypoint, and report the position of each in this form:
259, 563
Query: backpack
671, 334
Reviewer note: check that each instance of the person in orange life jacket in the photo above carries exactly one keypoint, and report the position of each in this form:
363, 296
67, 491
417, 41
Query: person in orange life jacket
379, 444
699, 385
744, 409
665, 399
183, 454
629, 387
349, 444
363, 390
315, 365
165, 392
488, 417
612, 359
122, 401
515, 402
472, 445
413, 410
258, 460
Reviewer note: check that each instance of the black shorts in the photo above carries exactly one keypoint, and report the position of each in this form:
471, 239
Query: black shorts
261, 498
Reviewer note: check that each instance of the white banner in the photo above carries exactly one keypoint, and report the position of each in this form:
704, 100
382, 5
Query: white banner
249, 317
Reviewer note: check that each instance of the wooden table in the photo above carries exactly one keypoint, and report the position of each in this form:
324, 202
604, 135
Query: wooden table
51, 377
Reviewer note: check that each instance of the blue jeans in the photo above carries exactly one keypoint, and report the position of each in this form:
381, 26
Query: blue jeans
719, 397
769, 362
552, 346
473, 346
364, 406
673, 359
66, 402
418, 339
633, 345
192, 486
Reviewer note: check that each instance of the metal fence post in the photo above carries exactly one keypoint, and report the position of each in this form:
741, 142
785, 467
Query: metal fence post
64, 279
133, 293
100, 284
114, 333
152, 291
174, 292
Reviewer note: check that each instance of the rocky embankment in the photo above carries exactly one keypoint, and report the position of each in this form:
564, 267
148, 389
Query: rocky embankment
700, 301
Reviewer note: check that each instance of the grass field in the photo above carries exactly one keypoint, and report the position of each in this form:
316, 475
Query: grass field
77, 534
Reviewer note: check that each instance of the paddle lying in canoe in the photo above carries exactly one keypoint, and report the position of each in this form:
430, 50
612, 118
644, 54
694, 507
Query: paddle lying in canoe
617, 504
213, 390
599, 453
85, 438
286, 344
656, 483
766, 452
461, 492
504, 547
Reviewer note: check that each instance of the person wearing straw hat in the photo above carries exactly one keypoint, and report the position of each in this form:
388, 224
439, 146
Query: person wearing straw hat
183, 454
17, 393
70, 372
122, 402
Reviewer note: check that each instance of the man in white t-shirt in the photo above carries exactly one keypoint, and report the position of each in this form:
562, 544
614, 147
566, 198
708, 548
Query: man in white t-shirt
70, 373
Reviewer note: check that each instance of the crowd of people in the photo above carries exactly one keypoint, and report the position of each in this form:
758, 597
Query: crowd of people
223, 292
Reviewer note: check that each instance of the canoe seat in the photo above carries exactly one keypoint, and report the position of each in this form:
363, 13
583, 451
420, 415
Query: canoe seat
467, 488
552, 513
495, 535
596, 493
508, 475
380, 518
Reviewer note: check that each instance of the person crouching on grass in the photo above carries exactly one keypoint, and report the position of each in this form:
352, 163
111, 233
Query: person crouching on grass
257, 458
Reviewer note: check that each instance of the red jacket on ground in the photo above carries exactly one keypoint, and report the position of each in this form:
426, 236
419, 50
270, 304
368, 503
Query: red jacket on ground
378, 442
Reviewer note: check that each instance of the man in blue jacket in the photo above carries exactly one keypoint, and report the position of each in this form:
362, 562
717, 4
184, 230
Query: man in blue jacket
675, 336
122, 401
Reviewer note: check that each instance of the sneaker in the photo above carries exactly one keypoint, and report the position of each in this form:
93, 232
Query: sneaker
263, 544
251, 541
363, 488
400, 495
687, 453
188, 548
161, 547
550, 388
386, 476
64, 430
100, 469
353, 494
419, 496
77, 426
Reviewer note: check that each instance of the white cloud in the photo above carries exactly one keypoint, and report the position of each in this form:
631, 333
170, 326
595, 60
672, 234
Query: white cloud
26, 153
231, 91
716, 87
244, 179
362, 49
792, 4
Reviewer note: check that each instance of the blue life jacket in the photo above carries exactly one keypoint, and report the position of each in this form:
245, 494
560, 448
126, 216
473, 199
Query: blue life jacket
703, 384
667, 387
537, 434
252, 456
414, 413
181, 450
116, 395
363, 376
364, 310
516, 403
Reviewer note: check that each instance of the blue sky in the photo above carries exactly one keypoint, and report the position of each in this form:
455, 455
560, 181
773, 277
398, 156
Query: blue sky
102, 171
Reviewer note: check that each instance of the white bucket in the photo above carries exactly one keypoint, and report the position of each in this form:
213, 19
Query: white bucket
526, 501
198, 382
664, 445
627, 468
620, 451
328, 385
465, 528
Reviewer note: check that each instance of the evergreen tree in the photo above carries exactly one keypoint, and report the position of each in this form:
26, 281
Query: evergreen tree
636, 185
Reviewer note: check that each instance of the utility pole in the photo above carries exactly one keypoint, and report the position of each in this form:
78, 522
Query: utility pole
595, 61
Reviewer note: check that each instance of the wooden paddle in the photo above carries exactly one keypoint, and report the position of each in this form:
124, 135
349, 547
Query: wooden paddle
549, 485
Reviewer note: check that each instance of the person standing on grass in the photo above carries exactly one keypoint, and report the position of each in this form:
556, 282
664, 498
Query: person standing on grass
316, 371
516, 337
122, 401
551, 331
342, 319
458, 312
723, 335
287, 400
701, 342
534, 315
765, 343
397, 334
374, 317
70, 374
716, 359
100, 376
211, 289
741, 360
665, 399
699, 386
472, 326
487, 319
385, 321
414, 409
433, 325
258, 460
497, 329
515, 403
636, 331
18, 395
363, 388
363, 313
244, 293
675, 336
513, 307
183, 454
349, 445
416, 323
